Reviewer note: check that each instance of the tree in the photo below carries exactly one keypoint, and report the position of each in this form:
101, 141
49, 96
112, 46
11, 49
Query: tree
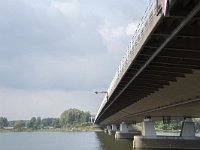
11, 123
86, 117
19, 124
38, 123
3, 122
173, 125
56, 123
47, 122
32, 123
74, 116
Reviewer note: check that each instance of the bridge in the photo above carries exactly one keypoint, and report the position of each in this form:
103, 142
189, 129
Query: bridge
159, 75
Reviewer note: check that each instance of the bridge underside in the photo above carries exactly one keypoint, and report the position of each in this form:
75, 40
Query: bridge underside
164, 77
175, 99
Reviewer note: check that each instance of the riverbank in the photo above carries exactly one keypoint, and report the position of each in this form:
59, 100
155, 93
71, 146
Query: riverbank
71, 129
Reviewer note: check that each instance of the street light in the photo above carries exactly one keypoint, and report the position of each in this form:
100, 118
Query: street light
96, 92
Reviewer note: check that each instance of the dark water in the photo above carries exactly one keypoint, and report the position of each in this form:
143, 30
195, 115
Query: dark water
62, 141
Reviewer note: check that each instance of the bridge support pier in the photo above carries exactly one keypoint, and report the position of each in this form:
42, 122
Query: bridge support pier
148, 128
107, 129
186, 140
113, 129
126, 131
188, 128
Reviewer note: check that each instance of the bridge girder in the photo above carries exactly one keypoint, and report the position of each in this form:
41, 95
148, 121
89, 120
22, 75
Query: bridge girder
169, 55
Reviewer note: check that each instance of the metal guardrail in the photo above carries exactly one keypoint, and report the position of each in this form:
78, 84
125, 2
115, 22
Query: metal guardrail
146, 20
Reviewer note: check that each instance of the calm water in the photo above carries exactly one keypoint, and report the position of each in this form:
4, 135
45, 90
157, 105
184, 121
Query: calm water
62, 141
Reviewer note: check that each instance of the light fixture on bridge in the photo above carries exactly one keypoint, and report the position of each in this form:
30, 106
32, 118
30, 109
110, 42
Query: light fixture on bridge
96, 92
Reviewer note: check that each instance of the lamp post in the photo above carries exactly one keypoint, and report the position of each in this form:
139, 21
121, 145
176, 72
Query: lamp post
96, 92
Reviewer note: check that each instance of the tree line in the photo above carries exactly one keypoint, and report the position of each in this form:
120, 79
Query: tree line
69, 118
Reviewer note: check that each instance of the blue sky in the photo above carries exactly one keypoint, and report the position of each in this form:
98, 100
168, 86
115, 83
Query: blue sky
55, 53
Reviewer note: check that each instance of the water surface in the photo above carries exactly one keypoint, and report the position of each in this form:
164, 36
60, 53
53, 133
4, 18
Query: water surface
62, 141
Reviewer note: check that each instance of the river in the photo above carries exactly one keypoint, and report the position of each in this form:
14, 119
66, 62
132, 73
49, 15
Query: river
61, 141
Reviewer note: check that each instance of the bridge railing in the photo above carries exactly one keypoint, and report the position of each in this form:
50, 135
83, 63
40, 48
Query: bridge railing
130, 54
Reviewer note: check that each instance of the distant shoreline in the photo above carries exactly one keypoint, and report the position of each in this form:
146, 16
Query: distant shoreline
88, 129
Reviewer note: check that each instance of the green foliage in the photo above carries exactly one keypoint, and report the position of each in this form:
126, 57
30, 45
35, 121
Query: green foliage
74, 116
56, 123
38, 123
72, 119
19, 124
197, 124
174, 125
11, 123
3, 122
32, 123
48, 122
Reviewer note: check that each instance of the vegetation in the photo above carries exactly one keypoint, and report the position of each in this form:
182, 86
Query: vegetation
173, 126
70, 120
72, 117
3, 122
76, 120
19, 125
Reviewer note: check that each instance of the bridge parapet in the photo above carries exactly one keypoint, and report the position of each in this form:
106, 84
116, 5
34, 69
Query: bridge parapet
142, 32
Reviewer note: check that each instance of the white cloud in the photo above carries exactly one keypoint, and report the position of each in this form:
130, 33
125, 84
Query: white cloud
70, 8
115, 37
55, 53
131, 28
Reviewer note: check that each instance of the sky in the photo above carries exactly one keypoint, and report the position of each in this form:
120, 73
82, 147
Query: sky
54, 54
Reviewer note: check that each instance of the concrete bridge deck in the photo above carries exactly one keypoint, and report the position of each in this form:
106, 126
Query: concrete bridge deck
160, 75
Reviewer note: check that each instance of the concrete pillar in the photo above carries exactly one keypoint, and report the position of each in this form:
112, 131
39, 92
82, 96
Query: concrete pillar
124, 127
148, 128
126, 131
108, 127
188, 128
112, 130
130, 127
114, 127
187, 140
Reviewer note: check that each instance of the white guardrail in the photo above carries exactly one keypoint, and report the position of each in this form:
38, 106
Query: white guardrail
128, 57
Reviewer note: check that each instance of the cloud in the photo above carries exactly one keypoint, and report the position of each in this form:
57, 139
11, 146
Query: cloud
58, 52
50, 52
131, 28
24, 104
70, 8
114, 37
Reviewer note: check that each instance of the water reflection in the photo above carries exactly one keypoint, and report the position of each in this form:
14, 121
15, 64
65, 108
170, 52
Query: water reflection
108, 142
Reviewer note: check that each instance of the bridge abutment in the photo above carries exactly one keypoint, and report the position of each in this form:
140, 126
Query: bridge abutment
149, 139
